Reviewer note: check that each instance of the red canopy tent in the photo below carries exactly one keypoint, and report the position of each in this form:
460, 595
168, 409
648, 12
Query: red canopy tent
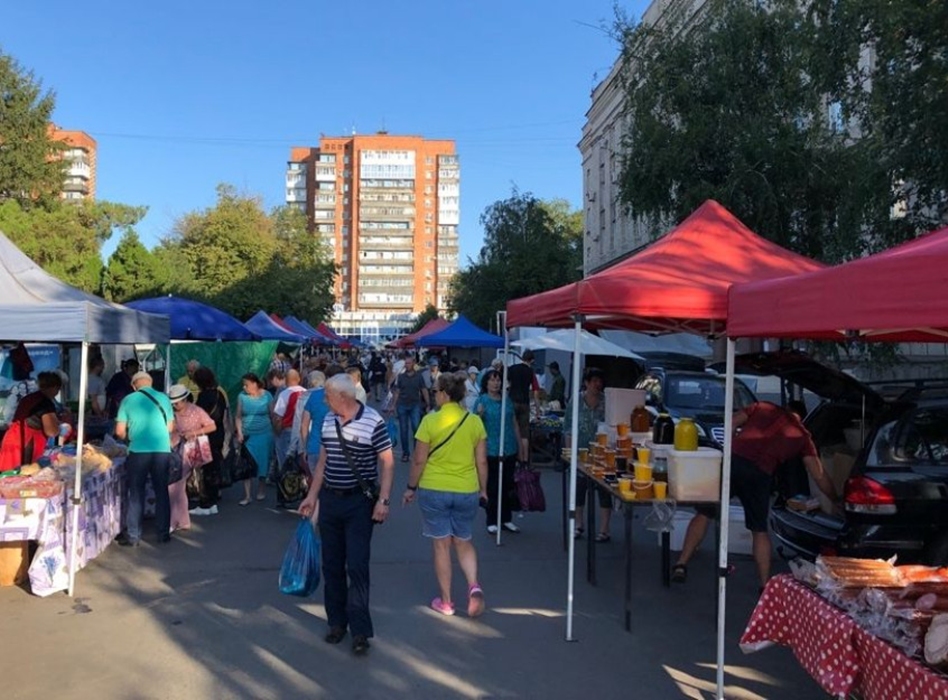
896, 295
678, 283
433, 326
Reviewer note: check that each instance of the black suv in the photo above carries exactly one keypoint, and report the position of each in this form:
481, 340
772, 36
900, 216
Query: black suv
895, 497
697, 395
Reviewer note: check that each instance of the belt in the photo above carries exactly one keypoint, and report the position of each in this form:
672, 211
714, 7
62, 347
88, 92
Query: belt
343, 492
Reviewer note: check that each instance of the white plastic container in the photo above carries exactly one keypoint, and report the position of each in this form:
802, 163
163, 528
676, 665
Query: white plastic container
739, 540
695, 476
620, 402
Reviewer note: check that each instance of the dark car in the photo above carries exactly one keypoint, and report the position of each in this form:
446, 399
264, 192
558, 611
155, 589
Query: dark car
895, 495
697, 395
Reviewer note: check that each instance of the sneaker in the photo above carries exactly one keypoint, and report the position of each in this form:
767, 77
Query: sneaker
440, 606
335, 635
212, 510
510, 527
492, 529
126, 541
475, 601
199, 511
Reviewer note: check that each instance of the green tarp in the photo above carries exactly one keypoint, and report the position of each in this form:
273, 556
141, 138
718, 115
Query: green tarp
229, 361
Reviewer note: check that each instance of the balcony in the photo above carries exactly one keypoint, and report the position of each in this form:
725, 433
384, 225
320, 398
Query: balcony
78, 168
325, 173
294, 196
76, 184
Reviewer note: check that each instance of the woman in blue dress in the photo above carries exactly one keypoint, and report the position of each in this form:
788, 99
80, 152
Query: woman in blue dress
254, 428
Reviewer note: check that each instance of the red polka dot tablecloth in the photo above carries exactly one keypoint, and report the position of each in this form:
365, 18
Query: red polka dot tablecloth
834, 650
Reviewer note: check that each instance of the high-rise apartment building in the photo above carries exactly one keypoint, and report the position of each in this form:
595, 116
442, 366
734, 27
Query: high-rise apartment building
80, 157
388, 207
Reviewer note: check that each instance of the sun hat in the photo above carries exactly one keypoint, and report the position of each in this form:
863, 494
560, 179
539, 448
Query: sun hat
178, 392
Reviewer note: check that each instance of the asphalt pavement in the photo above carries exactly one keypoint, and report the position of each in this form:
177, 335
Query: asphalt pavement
201, 617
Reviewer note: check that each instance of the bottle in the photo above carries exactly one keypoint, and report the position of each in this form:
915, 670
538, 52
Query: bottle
663, 432
640, 420
686, 435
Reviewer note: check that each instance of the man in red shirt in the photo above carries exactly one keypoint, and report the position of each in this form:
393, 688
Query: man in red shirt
768, 436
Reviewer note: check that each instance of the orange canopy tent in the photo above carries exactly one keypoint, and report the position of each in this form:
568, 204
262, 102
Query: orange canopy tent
678, 283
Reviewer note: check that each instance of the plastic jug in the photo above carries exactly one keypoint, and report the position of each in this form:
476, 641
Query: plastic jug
663, 432
640, 420
686, 435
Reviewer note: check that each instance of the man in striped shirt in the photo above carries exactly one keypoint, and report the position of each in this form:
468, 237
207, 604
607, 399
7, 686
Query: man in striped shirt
346, 515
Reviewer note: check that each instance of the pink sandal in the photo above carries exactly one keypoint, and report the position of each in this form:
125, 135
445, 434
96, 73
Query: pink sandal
440, 606
475, 601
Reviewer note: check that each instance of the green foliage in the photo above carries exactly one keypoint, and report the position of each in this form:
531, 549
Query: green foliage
530, 246
66, 239
30, 171
735, 110
239, 258
429, 314
132, 271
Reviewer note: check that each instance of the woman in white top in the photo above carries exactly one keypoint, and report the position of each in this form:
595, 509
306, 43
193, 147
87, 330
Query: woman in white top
96, 387
471, 391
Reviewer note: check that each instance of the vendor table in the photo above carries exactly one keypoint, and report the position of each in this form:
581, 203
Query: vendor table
627, 511
49, 522
838, 654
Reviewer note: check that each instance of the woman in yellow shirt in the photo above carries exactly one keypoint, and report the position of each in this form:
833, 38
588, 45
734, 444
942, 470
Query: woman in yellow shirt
449, 475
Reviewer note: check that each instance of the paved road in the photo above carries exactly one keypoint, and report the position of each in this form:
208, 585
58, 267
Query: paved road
201, 617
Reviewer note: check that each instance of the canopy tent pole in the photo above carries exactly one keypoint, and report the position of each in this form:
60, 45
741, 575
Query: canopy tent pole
168, 367
573, 459
725, 510
502, 323
77, 486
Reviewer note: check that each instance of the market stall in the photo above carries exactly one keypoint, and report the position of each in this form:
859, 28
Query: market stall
679, 283
36, 306
891, 296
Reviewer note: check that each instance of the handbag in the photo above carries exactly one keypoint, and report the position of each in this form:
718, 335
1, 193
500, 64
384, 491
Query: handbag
176, 463
371, 491
292, 484
245, 466
529, 491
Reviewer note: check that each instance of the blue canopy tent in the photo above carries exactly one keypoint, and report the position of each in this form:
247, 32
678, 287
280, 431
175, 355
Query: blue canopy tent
298, 326
268, 329
192, 320
461, 334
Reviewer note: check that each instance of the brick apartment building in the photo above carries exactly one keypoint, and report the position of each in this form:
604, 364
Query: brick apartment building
80, 157
388, 208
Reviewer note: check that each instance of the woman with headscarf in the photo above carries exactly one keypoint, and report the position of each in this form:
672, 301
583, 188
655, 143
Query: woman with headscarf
190, 422
449, 474
34, 422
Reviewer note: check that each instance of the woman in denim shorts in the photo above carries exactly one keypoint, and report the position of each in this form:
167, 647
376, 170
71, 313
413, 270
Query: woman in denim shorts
449, 476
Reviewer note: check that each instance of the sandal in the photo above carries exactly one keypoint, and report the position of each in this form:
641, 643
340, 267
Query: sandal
603, 537
578, 533
245, 502
475, 601
440, 606
679, 573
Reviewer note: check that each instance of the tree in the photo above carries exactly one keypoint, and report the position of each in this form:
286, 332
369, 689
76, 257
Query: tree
734, 108
66, 239
242, 259
132, 271
886, 72
530, 246
31, 170
429, 314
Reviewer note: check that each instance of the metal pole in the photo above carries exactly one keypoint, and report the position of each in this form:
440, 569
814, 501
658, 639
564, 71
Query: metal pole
573, 461
76, 499
725, 510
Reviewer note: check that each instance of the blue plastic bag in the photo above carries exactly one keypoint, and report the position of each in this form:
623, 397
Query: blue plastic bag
393, 431
299, 574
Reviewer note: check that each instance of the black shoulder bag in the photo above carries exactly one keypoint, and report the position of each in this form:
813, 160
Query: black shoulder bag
176, 466
370, 490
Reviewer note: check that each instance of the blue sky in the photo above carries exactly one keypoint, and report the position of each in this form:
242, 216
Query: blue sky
183, 95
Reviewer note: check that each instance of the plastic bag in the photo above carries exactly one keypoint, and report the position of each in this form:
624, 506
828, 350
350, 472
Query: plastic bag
529, 491
245, 467
392, 426
299, 574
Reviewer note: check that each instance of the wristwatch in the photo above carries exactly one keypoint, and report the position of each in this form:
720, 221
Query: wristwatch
385, 502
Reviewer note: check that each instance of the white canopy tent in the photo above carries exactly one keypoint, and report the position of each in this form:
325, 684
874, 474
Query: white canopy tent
35, 306
565, 341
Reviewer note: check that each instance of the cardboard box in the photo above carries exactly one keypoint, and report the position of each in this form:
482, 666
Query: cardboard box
694, 475
620, 402
838, 464
14, 562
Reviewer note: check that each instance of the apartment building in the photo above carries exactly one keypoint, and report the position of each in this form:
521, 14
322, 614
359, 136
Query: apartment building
388, 209
80, 157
